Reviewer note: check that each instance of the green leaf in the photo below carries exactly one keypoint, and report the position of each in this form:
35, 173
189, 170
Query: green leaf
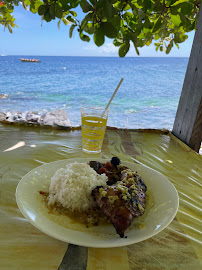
69, 18
127, 7
174, 2
174, 10
73, 13
73, 3
119, 40
10, 29
86, 7
183, 38
84, 37
177, 3
147, 5
124, 48
116, 20
118, 5
27, 2
117, 43
157, 6
47, 16
52, 11
141, 14
140, 3
148, 42
146, 30
183, 19
169, 47
187, 8
71, 30
157, 25
138, 28
140, 43
109, 29
58, 11
157, 46
84, 22
133, 37
42, 9
89, 28
128, 16
189, 27
177, 45
65, 21
99, 37
107, 6
175, 19
65, 5
148, 24
83, 25
177, 38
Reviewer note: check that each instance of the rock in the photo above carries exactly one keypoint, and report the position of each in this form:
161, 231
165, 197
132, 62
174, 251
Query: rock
3, 96
57, 118
2, 116
15, 117
32, 118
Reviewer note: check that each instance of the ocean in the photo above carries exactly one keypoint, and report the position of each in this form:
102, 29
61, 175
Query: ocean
147, 98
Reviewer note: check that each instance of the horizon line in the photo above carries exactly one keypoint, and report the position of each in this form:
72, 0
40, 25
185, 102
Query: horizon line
3, 55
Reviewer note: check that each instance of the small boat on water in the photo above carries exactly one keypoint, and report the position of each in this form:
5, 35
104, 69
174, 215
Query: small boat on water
30, 60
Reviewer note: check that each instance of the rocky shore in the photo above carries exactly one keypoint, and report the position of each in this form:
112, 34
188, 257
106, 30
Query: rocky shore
57, 119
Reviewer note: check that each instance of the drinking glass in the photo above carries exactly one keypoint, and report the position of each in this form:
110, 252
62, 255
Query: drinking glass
94, 121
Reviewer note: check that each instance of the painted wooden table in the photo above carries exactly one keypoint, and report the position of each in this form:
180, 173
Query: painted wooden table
22, 246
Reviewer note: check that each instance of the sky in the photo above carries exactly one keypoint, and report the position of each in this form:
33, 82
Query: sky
30, 38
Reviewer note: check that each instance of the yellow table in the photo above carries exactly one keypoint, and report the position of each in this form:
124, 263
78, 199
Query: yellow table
179, 246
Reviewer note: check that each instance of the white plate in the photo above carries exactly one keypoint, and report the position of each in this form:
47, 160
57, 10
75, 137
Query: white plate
161, 208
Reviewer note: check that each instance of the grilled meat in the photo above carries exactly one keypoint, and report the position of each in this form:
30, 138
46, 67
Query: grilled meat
123, 200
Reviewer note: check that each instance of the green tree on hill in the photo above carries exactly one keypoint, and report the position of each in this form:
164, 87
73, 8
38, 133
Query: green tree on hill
127, 22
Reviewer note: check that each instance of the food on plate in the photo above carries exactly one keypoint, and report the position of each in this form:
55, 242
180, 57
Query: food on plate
122, 201
98, 192
71, 187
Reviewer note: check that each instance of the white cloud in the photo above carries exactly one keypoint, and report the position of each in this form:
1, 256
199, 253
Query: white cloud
107, 49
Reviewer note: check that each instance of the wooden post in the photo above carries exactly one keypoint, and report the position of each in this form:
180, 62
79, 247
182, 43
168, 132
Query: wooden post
188, 121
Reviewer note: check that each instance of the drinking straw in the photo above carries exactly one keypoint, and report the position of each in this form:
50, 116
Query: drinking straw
117, 88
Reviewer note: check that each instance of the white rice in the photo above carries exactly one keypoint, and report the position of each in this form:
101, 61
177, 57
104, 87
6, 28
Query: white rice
71, 187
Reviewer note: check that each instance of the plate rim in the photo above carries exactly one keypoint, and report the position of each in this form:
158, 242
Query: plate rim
112, 245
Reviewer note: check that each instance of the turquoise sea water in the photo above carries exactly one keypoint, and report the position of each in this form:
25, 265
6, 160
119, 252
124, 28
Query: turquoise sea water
147, 98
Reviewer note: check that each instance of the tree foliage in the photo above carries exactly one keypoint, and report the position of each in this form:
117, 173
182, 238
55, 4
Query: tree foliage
135, 23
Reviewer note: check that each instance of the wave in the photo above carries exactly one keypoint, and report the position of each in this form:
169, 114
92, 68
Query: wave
130, 111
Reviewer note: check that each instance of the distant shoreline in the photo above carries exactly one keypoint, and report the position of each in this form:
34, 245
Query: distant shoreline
137, 57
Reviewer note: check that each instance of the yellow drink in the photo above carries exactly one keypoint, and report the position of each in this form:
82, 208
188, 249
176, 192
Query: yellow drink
93, 130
